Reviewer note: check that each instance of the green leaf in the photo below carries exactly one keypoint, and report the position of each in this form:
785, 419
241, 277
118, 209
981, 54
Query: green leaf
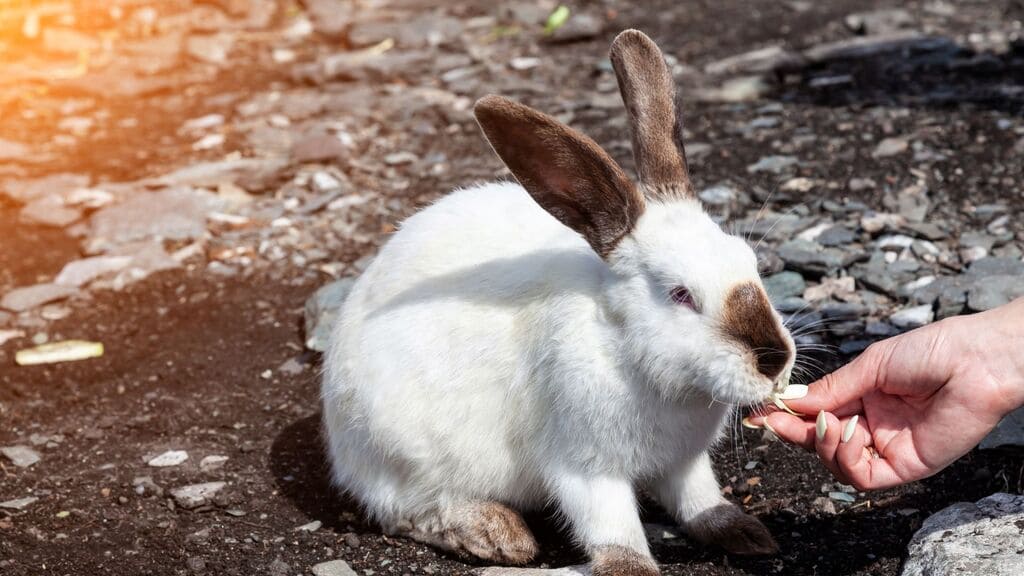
557, 19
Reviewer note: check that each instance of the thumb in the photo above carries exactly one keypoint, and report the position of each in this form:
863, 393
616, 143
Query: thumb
840, 392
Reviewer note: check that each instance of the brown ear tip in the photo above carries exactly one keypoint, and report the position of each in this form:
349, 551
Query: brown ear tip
487, 103
631, 37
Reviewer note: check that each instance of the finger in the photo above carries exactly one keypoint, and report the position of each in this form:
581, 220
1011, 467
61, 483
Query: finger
865, 470
840, 392
828, 445
791, 429
852, 453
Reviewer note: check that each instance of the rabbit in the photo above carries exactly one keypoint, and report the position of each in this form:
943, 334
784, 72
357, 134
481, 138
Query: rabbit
566, 340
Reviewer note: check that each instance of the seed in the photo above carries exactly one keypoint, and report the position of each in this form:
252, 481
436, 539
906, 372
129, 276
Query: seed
848, 430
748, 424
782, 405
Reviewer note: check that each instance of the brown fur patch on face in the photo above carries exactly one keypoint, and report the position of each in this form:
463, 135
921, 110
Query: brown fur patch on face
622, 561
649, 93
565, 172
736, 532
748, 319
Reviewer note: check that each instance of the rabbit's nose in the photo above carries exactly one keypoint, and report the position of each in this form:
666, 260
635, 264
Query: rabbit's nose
748, 318
772, 362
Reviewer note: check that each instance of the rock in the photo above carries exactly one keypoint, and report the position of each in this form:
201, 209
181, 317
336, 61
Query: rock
172, 214
915, 317
21, 456
719, 195
760, 61
49, 211
825, 506
212, 48
320, 148
278, 568
810, 257
19, 504
994, 291
212, 462
579, 26
27, 298
881, 21
1009, 432
768, 262
10, 150
913, 203
321, 312
253, 174
78, 273
25, 191
979, 539
422, 31
836, 236
843, 311
169, 458
875, 222
333, 568
949, 293
741, 89
144, 485
331, 18
68, 41
196, 495
993, 266
784, 285
773, 164
868, 46
890, 147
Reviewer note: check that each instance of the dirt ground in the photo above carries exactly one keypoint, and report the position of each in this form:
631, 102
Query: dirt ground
188, 352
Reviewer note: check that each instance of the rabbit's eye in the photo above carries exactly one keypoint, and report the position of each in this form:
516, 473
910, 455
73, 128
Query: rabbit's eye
681, 295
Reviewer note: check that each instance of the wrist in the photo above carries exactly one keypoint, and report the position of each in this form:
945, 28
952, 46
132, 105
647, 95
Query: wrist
1001, 332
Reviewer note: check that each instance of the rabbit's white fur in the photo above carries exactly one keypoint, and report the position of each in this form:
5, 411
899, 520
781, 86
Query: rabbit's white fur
488, 354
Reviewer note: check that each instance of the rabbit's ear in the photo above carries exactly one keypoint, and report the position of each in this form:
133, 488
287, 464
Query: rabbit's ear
649, 94
565, 172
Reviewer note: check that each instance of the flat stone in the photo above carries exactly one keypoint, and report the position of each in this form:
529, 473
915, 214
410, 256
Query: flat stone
196, 495
21, 456
19, 504
211, 48
579, 26
810, 257
250, 173
81, 272
719, 195
836, 236
168, 459
212, 463
11, 150
319, 148
914, 317
890, 147
773, 164
333, 568
49, 211
881, 21
55, 185
321, 312
768, 59
994, 291
971, 539
172, 214
784, 285
994, 266
868, 46
426, 29
29, 297
1009, 432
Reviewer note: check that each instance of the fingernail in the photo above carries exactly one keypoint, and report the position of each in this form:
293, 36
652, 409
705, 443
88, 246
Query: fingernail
850, 427
793, 392
820, 426
748, 424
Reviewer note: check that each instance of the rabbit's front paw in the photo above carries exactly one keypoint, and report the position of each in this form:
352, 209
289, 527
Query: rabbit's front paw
622, 561
729, 527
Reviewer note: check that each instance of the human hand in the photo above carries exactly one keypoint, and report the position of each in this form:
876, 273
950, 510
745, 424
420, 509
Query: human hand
911, 405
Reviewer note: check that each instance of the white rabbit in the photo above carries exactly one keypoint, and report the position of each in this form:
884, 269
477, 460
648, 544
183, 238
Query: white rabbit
567, 340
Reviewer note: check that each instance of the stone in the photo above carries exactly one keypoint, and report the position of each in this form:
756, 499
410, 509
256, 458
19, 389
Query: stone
741, 89
980, 539
760, 61
168, 459
773, 164
68, 41
29, 297
914, 317
836, 236
253, 174
784, 285
875, 222
579, 26
994, 266
172, 214
421, 31
211, 48
144, 485
890, 147
78, 273
10, 150
868, 46
21, 456
321, 312
330, 18
212, 463
994, 291
49, 211
19, 504
196, 495
319, 148
24, 191
810, 257
1009, 432
333, 568
718, 195
881, 21
913, 203
279, 568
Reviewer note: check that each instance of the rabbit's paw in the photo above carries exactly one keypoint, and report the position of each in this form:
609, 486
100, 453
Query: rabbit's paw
491, 531
622, 561
729, 527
